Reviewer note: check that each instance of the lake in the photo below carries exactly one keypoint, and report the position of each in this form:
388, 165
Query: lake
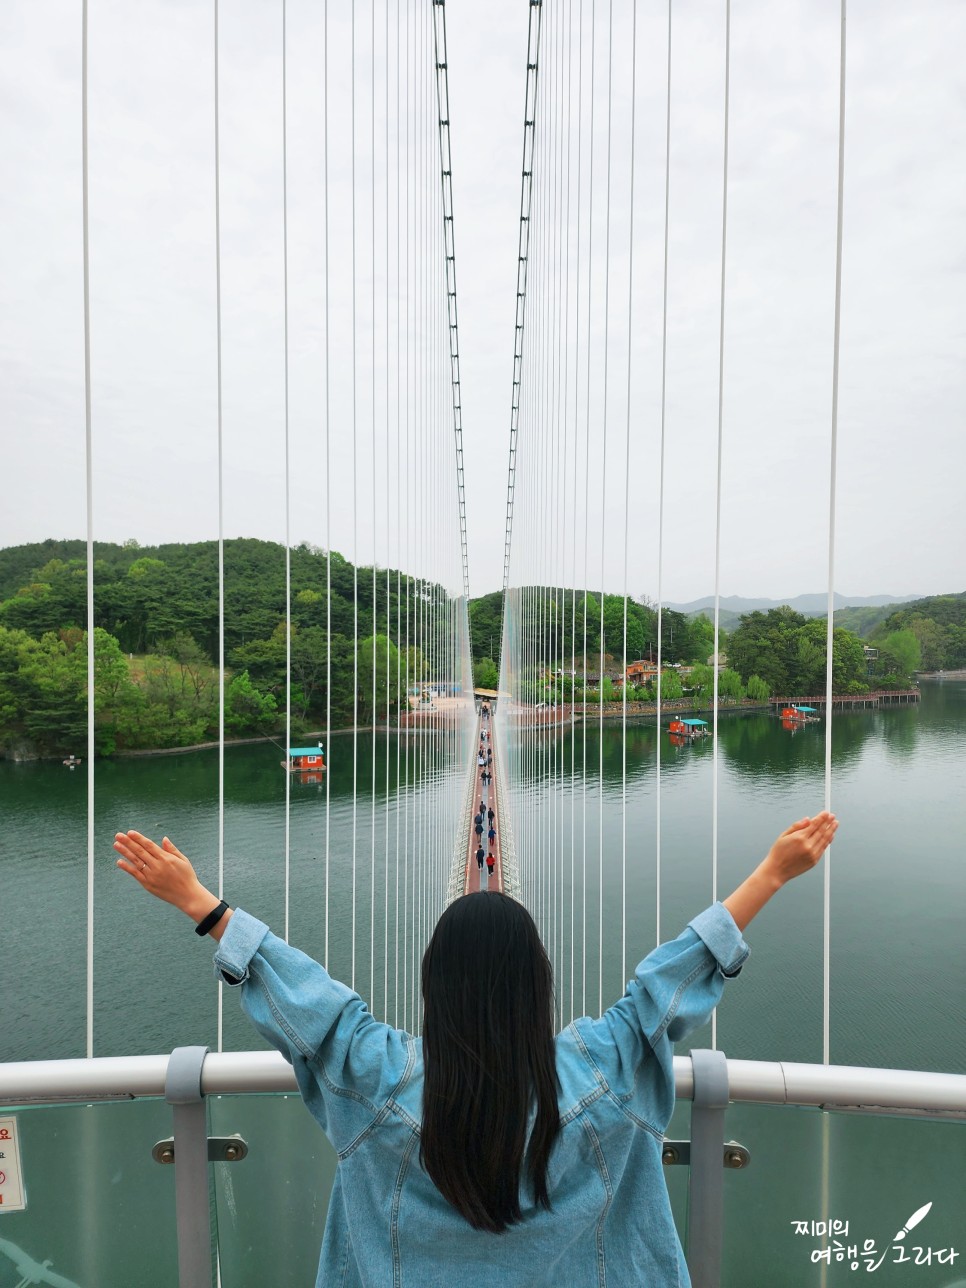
898, 951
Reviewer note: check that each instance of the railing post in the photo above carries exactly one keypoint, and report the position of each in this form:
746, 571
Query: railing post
706, 1181
182, 1089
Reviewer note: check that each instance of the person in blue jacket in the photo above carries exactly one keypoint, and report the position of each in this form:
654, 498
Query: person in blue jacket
489, 1151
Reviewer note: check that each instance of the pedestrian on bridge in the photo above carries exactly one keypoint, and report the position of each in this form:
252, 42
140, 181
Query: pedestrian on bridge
438, 1182
479, 857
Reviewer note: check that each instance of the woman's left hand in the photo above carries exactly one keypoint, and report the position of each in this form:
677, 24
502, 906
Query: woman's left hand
164, 872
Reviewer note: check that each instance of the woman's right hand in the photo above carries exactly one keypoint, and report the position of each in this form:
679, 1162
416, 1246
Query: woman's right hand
797, 850
800, 846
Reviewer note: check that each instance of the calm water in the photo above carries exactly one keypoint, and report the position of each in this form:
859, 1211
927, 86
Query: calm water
153, 981
898, 949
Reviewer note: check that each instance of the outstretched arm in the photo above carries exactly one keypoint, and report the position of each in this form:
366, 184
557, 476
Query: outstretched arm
797, 850
167, 874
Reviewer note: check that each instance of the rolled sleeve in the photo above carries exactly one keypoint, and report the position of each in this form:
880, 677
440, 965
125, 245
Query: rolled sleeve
238, 945
673, 992
716, 927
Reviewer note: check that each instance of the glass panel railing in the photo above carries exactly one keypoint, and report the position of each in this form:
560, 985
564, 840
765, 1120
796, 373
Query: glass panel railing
99, 1209
676, 1176
826, 1193
271, 1206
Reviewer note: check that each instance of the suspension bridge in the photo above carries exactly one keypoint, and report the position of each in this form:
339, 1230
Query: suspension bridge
365, 439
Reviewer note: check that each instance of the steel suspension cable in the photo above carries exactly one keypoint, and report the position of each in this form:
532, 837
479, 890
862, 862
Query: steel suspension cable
89, 501
603, 531
355, 520
590, 295
717, 506
833, 461
661, 473
627, 476
328, 484
221, 514
288, 542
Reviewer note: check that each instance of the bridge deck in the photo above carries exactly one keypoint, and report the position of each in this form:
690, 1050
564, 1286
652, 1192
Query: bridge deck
477, 879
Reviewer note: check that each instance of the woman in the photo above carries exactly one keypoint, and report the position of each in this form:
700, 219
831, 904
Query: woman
488, 1152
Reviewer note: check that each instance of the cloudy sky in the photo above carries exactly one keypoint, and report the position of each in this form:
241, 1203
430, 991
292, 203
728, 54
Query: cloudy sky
900, 524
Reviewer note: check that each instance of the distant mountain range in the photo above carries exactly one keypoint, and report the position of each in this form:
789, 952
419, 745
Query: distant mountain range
810, 605
860, 613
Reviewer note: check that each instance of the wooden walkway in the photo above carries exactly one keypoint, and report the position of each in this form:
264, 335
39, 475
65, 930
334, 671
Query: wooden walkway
477, 879
877, 698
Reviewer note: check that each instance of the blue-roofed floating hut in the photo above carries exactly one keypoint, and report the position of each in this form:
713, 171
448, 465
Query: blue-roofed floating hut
305, 759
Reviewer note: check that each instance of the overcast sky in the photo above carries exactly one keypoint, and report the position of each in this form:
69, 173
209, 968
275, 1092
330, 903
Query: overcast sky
900, 514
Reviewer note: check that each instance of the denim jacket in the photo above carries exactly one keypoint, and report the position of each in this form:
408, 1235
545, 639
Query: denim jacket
388, 1226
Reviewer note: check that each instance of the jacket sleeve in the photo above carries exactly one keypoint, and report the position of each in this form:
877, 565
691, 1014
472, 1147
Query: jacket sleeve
347, 1063
673, 992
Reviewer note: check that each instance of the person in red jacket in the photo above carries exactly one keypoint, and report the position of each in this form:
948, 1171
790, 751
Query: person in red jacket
490, 863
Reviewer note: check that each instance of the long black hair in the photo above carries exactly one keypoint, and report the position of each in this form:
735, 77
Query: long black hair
489, 1058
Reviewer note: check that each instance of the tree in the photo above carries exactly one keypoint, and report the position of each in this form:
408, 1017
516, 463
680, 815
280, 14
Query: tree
671, 686
701, 679
904, 648
485, 674
378, 665
729, 684
757, 689
247, 710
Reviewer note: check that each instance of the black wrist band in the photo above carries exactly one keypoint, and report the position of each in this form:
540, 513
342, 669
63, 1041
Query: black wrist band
212, 919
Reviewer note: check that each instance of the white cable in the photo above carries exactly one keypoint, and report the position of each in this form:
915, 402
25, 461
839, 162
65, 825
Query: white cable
660, 521
717, 507
221, 523
603, 528
385, 932
288, 541
355, 523
328, 496
833, 456
590, 280
627, 497
89, 480
375, 659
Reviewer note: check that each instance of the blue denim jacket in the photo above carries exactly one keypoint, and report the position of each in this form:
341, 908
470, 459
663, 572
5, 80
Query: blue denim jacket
388, 1226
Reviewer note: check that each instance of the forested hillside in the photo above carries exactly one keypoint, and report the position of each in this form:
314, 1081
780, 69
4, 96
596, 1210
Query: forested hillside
157, 640
938, 625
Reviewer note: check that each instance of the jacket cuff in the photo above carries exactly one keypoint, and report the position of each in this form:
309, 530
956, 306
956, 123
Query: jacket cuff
238, 945
716, 927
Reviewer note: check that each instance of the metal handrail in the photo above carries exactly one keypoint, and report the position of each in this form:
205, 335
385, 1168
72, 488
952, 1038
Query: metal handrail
707, 1078
899, 1091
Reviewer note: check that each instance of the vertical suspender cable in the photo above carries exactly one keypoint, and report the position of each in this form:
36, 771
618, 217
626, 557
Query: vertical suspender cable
830, 621
385, 928
221, 524
590, 294
355, 520
717, 506
833, 456
660, 509
627, 495
403, 695
328, 494
288, 542
408, 495
564, 668
573, 559
603, 527
89, 478
372, 785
